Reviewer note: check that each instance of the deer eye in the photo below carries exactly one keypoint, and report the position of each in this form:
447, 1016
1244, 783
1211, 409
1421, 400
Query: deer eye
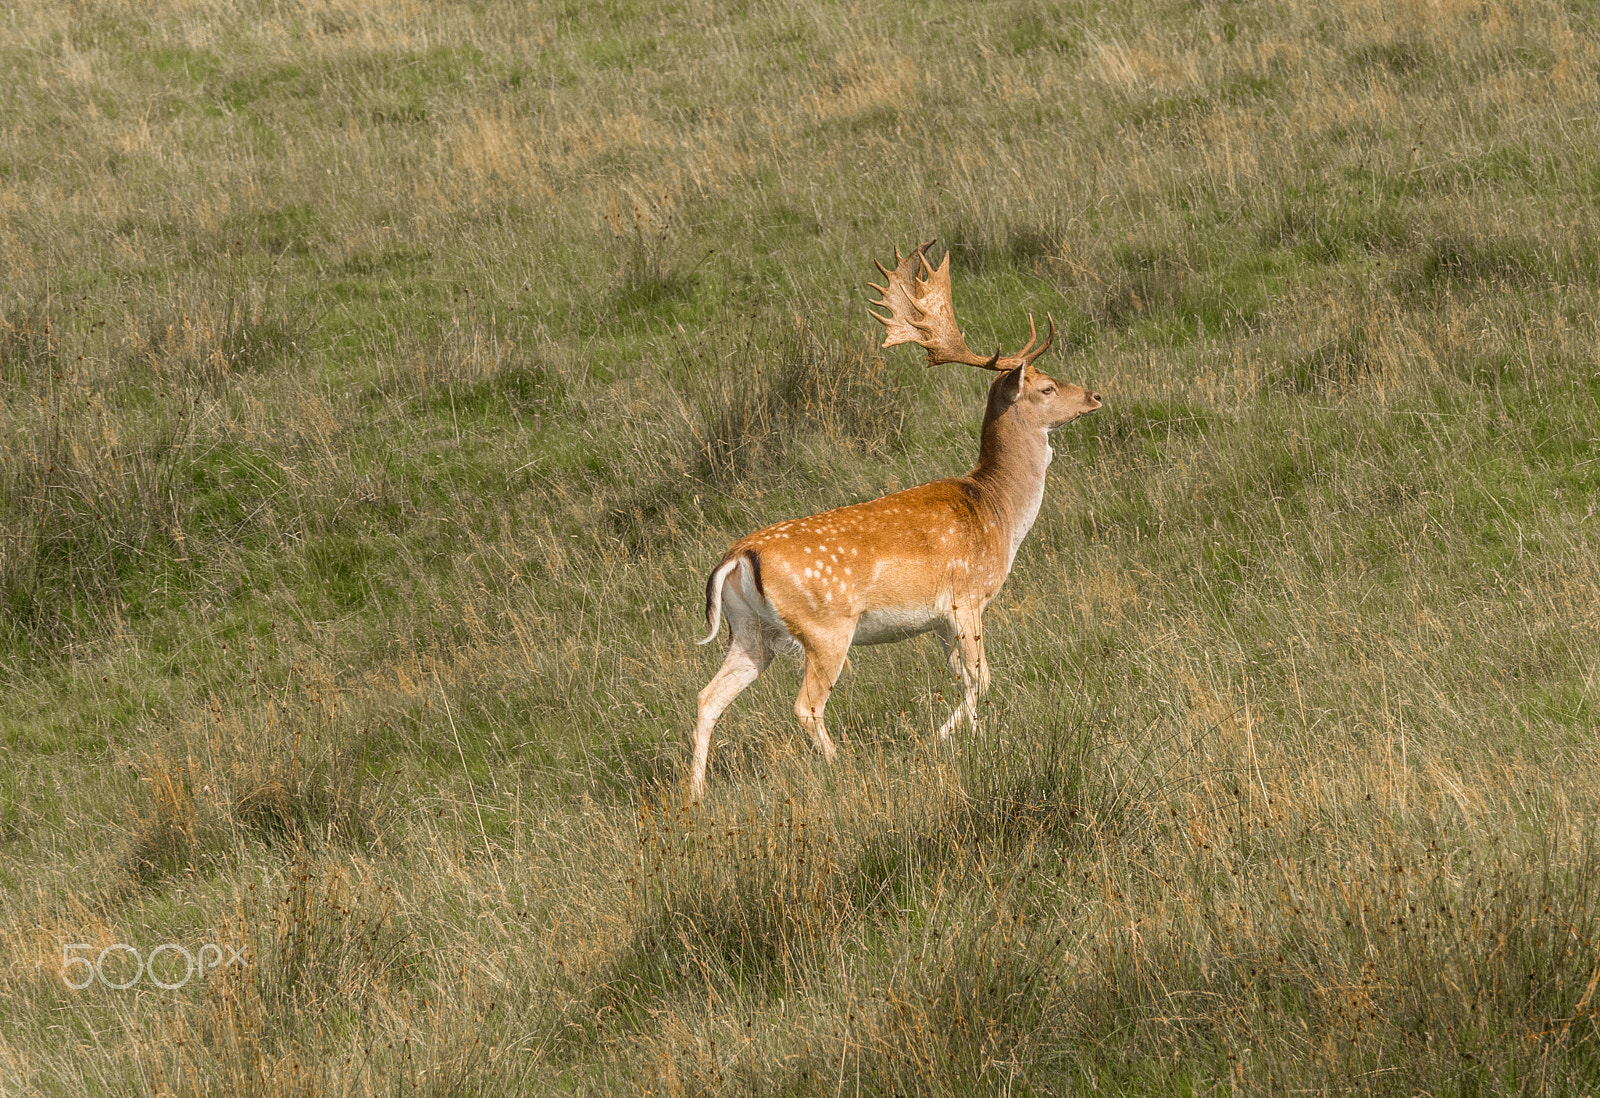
1048, 389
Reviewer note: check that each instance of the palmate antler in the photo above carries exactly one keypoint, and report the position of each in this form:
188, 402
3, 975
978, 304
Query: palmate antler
921, 312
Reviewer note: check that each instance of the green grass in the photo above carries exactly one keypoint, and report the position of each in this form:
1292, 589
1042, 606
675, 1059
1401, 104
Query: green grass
378, 385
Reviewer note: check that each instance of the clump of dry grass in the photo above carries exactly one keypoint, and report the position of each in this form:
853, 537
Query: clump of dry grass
164, 836
286, 773
786, 381
747, 402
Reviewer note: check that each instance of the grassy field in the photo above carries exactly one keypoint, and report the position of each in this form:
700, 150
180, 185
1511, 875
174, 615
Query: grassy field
380, 381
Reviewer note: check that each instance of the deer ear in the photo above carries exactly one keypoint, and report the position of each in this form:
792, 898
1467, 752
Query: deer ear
1011, 384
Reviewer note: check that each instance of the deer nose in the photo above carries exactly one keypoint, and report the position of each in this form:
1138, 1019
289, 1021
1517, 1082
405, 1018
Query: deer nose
1094, 398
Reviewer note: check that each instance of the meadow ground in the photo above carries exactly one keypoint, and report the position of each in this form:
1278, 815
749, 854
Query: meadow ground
379, 382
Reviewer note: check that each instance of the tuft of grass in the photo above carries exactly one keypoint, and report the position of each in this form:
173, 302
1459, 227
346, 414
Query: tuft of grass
164, 838
756, 394
797, 383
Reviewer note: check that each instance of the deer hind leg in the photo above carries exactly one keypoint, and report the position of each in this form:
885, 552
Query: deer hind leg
748, 656
962, 638
824, 661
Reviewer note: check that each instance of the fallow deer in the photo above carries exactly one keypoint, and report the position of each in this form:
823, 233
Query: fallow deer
928, 558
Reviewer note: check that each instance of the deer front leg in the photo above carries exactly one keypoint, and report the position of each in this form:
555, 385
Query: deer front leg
748, 656
962, 638
824, 661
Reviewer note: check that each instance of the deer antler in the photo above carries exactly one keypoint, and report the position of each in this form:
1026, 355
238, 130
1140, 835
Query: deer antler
921, 311
1011, 361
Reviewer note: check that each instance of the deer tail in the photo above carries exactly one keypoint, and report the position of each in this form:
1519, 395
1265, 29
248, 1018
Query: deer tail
714, 596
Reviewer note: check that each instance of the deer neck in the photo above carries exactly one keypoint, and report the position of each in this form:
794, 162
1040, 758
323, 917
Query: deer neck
1012, 461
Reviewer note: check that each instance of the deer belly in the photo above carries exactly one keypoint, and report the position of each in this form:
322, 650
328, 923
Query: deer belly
884, 626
